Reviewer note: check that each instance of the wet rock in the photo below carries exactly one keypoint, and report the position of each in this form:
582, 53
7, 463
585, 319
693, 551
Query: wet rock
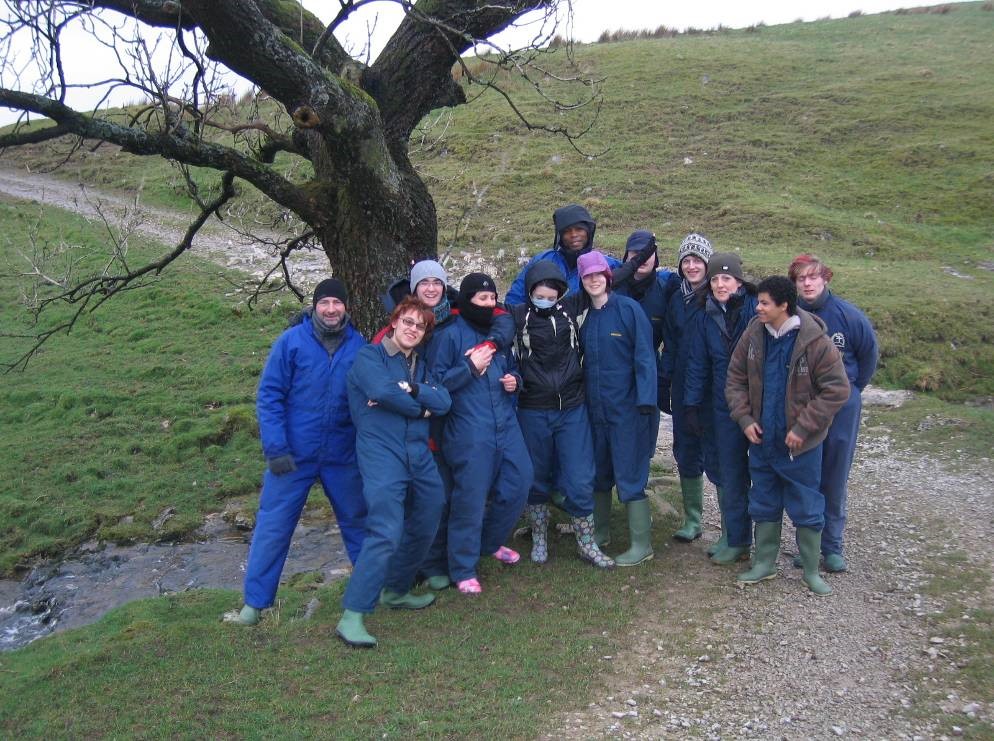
167, 514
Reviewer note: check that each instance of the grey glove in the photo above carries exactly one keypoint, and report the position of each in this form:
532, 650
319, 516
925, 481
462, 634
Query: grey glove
281, 464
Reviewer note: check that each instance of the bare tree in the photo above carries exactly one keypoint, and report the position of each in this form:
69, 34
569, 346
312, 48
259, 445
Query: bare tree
349, 120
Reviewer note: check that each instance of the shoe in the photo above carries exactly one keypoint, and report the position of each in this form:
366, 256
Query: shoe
764, 561
506, 556
835, 563
438, 582
352, 631
640, 534
602, 518
722, 541
407, 601
692, 491
730, 555
583, 529
809, 543
246, 616
538, 518
469, 586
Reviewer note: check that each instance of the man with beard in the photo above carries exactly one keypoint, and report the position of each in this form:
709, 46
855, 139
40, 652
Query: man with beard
307, 436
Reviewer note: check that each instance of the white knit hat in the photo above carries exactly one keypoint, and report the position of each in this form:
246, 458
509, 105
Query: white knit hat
427, 269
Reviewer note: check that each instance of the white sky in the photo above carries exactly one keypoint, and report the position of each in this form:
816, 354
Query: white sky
591, 17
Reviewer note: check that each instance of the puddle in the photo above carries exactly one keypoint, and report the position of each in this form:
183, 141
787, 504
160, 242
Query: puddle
78, 591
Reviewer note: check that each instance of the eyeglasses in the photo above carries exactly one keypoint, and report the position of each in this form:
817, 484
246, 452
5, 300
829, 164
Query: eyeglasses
420, 326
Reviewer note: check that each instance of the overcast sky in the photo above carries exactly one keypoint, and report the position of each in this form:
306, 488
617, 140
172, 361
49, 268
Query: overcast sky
590, 18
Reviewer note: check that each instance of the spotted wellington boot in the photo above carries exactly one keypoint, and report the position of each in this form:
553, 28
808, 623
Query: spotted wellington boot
538, 518
583, 529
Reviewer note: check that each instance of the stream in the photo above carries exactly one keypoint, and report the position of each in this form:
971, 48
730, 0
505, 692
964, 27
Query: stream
77, 591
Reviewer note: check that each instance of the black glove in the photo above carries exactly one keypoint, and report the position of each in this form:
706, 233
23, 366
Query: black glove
663, 398
281, 464
646, 409
692, 420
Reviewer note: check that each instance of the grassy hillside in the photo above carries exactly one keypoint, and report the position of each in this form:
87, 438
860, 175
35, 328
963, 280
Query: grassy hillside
866, 139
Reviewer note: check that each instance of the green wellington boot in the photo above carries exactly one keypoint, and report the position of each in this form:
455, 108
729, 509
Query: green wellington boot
438, 582
722, 541
835, 563
764, 562
809, 543
693, 504
409, 601
602, 518
640, 534
538, 519
351, 630
246, 616
730, 554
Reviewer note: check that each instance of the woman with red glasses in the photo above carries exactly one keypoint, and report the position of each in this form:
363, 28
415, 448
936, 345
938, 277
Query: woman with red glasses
391, 398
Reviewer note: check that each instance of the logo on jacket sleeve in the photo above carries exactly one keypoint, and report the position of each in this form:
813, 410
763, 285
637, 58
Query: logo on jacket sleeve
839, 340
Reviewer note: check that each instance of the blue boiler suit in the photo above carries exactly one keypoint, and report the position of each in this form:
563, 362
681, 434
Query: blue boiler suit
781, 481
403, 491
853, 336
303, 411
483, 446
707, 368
694, 455
620, 382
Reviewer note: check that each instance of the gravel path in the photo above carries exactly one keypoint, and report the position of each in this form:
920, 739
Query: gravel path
775, 661
216, 241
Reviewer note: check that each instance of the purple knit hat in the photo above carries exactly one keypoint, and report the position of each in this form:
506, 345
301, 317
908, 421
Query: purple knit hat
593, 262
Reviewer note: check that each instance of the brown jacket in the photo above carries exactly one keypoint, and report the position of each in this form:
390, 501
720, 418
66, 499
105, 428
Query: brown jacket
817, 385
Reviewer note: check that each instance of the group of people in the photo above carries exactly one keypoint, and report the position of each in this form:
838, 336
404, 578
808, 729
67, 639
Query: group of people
464, 413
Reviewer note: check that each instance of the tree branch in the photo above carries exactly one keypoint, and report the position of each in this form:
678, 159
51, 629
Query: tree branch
174, 145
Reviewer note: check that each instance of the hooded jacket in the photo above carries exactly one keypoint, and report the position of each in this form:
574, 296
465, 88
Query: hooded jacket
548, 347
562, 218
817, 386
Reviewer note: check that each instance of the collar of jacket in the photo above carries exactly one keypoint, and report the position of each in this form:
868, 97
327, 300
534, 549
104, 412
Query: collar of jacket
818, 303
390, 346
792, 323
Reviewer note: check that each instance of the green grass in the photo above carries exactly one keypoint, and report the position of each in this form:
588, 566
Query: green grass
931, 426
498, 665
146, 404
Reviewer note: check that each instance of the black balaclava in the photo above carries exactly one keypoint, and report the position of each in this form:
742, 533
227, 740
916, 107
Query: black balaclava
479, 317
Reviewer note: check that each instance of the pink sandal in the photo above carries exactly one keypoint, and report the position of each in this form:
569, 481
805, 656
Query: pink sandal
469, 586
506, 556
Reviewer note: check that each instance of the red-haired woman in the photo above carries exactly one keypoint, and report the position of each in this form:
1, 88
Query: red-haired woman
391, 398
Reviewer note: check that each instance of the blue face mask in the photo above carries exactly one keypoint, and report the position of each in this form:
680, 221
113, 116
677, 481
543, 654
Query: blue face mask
543, 303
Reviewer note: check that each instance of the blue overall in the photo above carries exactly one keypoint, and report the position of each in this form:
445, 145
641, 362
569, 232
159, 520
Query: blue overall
401, 485
694, 455
482, 444
654, 302
303, 411
781, 481
560, 441
707, 368
620, 383
853, 336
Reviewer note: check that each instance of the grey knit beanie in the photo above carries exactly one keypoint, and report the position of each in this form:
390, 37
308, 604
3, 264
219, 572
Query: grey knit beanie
427, 269
693, 244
